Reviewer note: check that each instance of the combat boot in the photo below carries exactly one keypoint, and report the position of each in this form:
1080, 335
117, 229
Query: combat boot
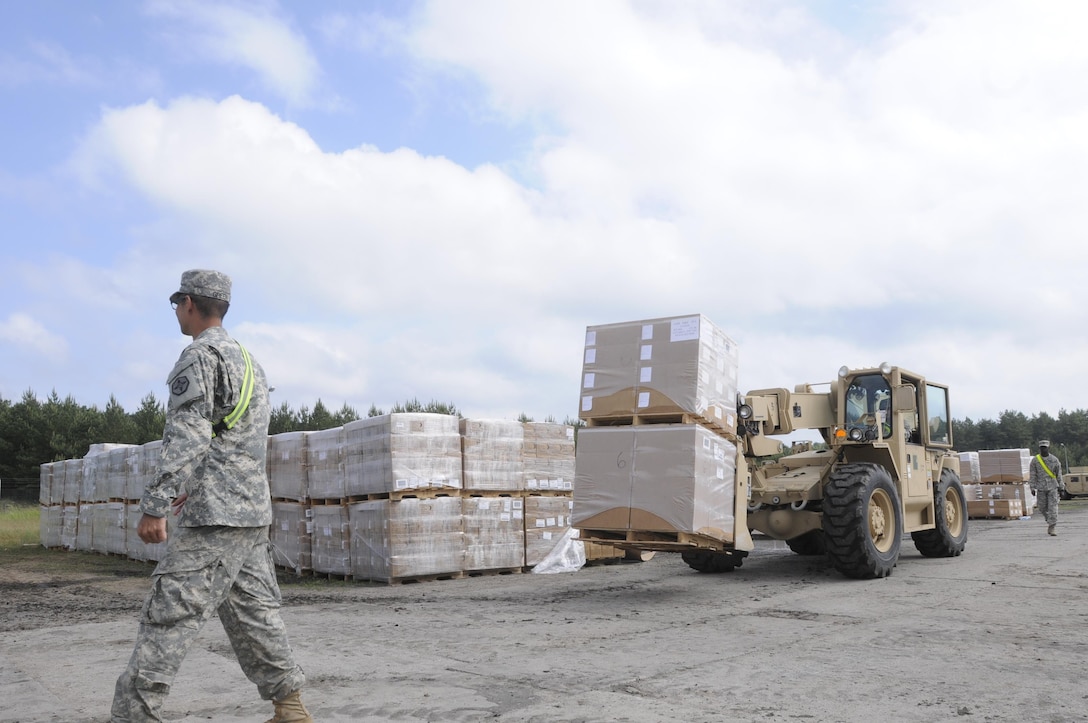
1051, 531
291, 710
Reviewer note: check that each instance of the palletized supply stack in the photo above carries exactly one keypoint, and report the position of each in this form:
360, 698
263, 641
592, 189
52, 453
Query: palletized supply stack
658, 456
548, 457
329, 550
1001, 488
330, 543
402, 452
291, 532
288, 463
970, 471
407, 538
493, 455
547, 519
669, 366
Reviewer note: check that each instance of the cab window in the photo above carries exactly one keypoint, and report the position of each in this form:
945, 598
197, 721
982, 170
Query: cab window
937, 411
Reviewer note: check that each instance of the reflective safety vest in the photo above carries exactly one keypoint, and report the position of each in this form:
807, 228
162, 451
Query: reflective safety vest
243, 402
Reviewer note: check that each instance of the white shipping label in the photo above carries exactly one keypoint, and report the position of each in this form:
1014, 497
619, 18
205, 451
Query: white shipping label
570, 433
519, 515
643, 399
684, 329
721, 473
591, 356
546, 536
591, 338
401, 484
587, 404
507, 504
647, 332
540, 523
551, 522
485, 504
504, 517
646, 352
559, 521
645, 375
706, 442
519, 503
286, 456
284, 526
589, 380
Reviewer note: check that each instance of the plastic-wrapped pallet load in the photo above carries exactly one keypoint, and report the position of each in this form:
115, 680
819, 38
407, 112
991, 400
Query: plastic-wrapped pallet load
85, 529
492, 454
73, 481
407, 538
402, 452
324, 472
330, 542
69, 526
291, 535
287, 466
547, 519
671, 365
1004, 465
121, 461
45, 483
970, 472
146, 469
494, 533
676, 478
50, 525
548, 456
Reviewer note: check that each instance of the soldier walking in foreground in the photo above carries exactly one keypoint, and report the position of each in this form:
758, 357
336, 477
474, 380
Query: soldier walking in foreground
1046, 482
212, 473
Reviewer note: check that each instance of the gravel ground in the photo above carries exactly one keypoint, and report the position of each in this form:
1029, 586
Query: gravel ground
999, 634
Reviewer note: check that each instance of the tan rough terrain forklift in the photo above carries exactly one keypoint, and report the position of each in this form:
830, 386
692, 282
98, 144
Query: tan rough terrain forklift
888, 469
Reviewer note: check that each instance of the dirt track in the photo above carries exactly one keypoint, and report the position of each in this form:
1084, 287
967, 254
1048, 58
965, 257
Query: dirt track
1000, 634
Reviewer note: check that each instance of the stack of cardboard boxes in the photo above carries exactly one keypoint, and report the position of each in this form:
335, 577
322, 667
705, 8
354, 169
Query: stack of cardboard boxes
995, 482
388, 498
658, 454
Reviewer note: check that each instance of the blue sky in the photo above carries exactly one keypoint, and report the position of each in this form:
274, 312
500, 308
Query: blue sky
434, 199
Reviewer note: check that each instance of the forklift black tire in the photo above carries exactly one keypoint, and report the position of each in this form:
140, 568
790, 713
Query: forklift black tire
862, 520
949, 537
811, 543
712, 561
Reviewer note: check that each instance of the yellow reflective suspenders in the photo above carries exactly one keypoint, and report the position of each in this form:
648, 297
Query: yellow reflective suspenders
1040, 458
243, 402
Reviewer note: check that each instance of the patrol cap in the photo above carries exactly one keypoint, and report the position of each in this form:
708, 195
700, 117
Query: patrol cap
203, 282
1044, 443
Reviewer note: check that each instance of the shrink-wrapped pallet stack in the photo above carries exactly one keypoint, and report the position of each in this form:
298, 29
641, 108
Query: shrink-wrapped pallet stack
998, 485
658, 455
382, 499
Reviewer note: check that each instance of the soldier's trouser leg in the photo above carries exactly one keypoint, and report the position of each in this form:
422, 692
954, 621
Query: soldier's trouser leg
1047, 499
193, 580
251, 618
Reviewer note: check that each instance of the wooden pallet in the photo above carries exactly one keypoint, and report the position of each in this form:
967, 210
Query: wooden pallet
653, 540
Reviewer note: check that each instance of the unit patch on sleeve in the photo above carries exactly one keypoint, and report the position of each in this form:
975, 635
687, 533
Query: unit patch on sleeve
185, 384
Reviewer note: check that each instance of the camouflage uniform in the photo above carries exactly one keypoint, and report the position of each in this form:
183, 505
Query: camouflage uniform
218, 559
1046, 487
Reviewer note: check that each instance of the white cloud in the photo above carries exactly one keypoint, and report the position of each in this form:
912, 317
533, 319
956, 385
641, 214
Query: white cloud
877, 202
251, 35
27, 336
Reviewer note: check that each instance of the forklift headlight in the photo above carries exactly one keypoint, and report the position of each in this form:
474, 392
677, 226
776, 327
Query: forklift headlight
856, 434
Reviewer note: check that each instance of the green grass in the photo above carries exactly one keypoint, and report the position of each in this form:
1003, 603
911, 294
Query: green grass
18, 525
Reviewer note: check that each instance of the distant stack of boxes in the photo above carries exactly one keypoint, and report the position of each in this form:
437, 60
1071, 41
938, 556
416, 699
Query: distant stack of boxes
995, 482
659, 452
388, 498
